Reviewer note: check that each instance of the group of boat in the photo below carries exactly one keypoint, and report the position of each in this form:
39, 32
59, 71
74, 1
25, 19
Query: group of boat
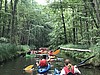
40, 70
29, 69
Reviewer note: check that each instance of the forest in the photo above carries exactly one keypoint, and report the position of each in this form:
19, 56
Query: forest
60, 23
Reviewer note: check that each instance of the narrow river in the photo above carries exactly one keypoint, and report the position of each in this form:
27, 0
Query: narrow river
16, 67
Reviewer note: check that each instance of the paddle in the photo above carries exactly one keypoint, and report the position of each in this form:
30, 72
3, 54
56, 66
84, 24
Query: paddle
57, 72
85, 60
29, 69
57, 51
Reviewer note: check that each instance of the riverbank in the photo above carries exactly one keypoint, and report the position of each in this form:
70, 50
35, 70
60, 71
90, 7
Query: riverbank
89, 64
82, 55
10, 52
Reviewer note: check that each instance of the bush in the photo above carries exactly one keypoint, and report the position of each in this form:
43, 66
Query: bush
7, 51
96, 51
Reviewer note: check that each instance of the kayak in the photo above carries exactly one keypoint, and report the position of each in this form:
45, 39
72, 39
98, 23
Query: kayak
29, 69
56, 72
43, 70
30, 56
52, 57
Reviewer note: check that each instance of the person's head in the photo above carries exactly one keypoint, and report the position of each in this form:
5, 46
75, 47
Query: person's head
67, 61
44, 56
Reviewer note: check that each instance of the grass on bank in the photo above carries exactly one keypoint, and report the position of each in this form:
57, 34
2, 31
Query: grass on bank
8, 51
83, 55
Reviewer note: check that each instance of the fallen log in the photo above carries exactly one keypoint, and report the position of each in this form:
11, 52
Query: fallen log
73, 49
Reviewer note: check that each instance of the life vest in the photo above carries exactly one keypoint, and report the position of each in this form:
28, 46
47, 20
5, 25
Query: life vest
43, 63
69, 72
50, 53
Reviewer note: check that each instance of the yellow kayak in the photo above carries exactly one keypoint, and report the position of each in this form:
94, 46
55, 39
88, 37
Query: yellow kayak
52, 57
29, 69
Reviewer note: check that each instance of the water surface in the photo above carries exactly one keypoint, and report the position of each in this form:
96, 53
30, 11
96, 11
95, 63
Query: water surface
16, 67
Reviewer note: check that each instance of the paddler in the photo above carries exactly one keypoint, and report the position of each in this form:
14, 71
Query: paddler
69, 69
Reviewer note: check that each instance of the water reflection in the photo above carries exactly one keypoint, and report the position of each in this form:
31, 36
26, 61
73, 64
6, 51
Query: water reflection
89, 71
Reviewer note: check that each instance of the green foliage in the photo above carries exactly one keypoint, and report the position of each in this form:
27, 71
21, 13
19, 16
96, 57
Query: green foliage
25, 47
8, 51
96, 51
96, 48
2, 40
30, 21
32, 47
83, 55
38, 26
34, 23
75, 19
74, 54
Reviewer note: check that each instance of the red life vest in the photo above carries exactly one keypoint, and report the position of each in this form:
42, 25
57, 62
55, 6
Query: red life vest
51, 53
69, 71
43, 63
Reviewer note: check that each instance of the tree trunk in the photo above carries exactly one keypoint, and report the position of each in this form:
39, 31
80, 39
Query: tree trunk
11, 7
4, 21
87, 26
91, 13
63, 21
28, 36
95, 5
8, 28
81, 28
74, 30
3, 28
73, 49
6, 6
76, 33
13, 28
0, 17
1, 4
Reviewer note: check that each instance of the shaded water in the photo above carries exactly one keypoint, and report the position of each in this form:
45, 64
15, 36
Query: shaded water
16, 67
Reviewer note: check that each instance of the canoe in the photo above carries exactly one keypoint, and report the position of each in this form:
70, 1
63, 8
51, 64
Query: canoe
29, 69
44, 70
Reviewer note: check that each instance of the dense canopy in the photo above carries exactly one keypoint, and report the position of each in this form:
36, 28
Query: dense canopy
59, 22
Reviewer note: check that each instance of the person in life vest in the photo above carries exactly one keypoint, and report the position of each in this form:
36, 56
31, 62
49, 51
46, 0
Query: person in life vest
43, 62
50, 53
69, 69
